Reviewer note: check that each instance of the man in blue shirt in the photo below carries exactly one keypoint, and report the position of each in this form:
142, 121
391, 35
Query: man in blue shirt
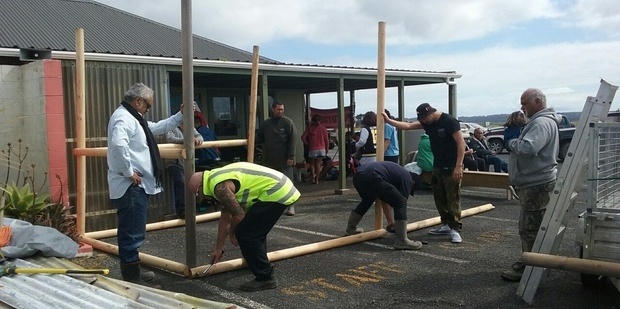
390, 141
206, 156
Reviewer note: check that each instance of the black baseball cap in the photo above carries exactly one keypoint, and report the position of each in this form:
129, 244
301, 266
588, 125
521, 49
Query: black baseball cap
424, 110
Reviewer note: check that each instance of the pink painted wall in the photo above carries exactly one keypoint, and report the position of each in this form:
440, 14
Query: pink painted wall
56, 138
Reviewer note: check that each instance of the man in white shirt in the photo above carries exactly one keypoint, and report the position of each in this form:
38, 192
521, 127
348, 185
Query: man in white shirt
134, 172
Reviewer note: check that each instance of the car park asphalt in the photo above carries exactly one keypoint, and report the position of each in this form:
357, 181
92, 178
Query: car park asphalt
373, 275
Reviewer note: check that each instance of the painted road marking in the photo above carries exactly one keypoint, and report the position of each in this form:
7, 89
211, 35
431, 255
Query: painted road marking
497, 219
319, 288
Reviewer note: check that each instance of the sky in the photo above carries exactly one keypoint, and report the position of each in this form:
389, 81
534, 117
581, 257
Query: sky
501, 48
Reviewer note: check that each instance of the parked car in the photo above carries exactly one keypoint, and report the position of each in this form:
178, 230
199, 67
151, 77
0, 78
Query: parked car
495, 137
613, 116
467, 128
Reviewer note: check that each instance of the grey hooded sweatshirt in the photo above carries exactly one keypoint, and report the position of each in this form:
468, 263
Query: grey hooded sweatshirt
533, 155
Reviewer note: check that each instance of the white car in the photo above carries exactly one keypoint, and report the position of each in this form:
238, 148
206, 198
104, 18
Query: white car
467, 128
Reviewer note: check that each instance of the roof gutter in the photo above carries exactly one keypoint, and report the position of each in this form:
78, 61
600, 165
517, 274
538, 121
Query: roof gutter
450, 81
68, 55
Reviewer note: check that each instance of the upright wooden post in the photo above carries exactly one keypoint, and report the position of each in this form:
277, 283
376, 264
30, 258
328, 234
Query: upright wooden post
380, 107
342, 179
401, 117
80, 127
188, 126
253, 104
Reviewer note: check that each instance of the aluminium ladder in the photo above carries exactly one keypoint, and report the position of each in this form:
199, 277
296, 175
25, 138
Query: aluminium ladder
569, 181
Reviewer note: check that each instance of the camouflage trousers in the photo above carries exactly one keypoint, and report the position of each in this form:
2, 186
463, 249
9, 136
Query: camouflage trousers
447, 194
533, 202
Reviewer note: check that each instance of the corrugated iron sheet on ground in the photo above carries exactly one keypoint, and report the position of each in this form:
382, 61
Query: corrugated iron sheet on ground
61, 291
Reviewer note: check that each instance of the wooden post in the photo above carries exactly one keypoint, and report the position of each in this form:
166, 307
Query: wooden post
80, 127
380, 107
381, 93
342, 179
188, 126
253, 103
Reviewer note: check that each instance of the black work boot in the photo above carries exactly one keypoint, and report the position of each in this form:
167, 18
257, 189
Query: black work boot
515, 272
131, 273
256, 285
261, 284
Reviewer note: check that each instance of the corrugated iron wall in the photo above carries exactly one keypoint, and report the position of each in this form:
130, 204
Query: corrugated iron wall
106, 84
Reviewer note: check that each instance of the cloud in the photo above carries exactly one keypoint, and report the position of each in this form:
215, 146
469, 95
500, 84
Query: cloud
494, 78
424, 22
598, 15
500, 47
355, 22
248, 22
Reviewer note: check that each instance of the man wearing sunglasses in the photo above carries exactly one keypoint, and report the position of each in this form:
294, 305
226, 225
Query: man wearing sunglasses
134, 173
253, 198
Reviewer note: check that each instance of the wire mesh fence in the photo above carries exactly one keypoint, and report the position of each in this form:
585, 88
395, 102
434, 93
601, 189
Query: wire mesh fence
604, 166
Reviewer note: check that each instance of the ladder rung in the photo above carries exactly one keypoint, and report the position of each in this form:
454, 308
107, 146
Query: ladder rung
561, 230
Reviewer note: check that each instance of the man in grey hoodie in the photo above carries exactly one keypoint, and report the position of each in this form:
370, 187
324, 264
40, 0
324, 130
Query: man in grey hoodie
532, 169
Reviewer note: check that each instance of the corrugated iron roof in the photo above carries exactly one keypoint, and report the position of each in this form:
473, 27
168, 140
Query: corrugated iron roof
51, 24
61, 291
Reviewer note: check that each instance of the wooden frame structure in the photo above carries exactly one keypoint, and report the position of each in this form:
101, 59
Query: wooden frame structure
186, 151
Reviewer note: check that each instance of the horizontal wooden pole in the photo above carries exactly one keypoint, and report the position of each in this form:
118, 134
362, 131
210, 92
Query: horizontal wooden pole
157, 225
144, 258
167, 151
584, 266
275, 255
327, 244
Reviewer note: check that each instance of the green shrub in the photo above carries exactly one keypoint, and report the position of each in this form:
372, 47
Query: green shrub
23, 203
23, 199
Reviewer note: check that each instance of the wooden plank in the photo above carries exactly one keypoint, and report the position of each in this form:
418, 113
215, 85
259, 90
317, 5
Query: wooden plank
485, 179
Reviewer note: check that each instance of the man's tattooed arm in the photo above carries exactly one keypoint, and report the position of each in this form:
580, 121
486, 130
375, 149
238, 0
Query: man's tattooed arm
224, 192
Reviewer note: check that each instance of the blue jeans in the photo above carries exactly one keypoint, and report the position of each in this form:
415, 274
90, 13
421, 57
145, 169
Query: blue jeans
177, 175
499, 165
131, 211
288, 172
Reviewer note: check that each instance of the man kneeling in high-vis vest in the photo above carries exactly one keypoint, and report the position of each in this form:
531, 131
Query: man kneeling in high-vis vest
253, 198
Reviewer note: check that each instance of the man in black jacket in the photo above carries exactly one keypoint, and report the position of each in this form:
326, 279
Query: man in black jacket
481, 149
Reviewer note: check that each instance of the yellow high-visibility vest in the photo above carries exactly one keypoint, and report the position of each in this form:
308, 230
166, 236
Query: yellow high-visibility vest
256, 184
